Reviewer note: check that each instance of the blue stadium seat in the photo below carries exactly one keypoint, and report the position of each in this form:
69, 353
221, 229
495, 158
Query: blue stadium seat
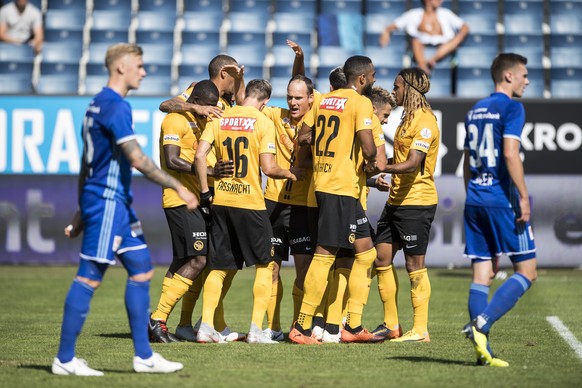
441, 83
477, 50
295, 23
155, 70
332, 56
247, 55
201, 38
154, 36
65, 4
530, 46
279, 85
257, 7
389, 9
66, 83
303, 39
154, 86
15, 77
341, 6
157, 5
96, 69
281, 71
308, 7
193, 54
62, 52
253, 72
193, 72
204, 6
16, 52
108, 36
283, 55
385, 75
252, 39
474, 82
446, 4
113, 5
157, 53
69, 19
203, 21
480, 16
566, 82
74, 37
385, 56
94, 84
565, 17
111, 20
537, 83
247, 22
156, 21
566, 50
523, 17
97, 52
36, 3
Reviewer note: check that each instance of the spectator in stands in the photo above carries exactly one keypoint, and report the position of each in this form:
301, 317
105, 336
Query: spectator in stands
429, 26
21, 22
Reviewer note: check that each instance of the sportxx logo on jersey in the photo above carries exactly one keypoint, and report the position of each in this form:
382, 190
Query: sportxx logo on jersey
333, 103
245, 124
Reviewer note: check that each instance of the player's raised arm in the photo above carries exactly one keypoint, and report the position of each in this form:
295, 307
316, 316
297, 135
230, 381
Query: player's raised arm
299, 61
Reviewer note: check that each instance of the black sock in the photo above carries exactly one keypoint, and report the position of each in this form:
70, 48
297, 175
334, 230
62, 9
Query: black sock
331, 328
318, 321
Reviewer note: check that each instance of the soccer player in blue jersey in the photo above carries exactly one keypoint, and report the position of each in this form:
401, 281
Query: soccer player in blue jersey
111, 228
497, 208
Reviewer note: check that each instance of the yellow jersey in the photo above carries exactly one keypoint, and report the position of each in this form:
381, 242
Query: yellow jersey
378, 135
336, 120
241, 135
418, 188
222, 103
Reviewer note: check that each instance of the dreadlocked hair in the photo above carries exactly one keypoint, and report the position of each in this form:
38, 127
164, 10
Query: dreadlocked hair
416, 85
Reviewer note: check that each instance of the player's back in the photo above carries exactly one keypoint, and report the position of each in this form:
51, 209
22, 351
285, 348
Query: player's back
336, 119
487, 124
108, 123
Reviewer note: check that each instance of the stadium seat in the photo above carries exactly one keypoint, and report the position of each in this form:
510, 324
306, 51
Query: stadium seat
194, 54
530, 46
281, 71
15, 77
97, 52
108, 36
201, 38
16, 52
297, 7
96, 69
474, 82
247, 22
67, 52
283, 55
253, 72
157, 5
294, 23
94, 84
67, 19
252, 39
341, 6
387, 9
154, 36
65, 4
566, 83
523, 17
154, 86
58, 84
156, 21
566, 50
111, 20
441, 83
74, 37
302, 39
212, 6
203, 21
279, 85
477, 50
248, 55
565, 17
193, 72
124, 6
332, 56
391, 55
480, 16
446, 4
157, 53
385, 75
256, 7
537, 83
155, 70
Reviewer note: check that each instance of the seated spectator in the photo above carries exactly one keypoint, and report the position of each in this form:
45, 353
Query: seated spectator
429, 26
21, 22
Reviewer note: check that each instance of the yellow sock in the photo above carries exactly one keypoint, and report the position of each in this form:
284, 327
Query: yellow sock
388, 290
320, 310
335, 298
314, 288
274, 308
297, 300
176, 288
359, 286
165, 284
262, 292
219, 321
420, 295
211, 296
189, 301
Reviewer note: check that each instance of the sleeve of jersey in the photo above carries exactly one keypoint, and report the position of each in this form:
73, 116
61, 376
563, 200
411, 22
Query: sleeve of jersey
172, 129
121, 123
364, 114
423, 139
378, 132
267, 130
208, 134
185, 95
309, 118
514, 120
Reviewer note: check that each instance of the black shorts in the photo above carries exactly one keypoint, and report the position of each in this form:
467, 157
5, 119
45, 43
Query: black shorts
188, 231
336, 225
408, 226
363, 229
290, 229
240, 236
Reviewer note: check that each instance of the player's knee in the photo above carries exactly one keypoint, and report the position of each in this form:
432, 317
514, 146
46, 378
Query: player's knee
142, 277
197, 262
90, 282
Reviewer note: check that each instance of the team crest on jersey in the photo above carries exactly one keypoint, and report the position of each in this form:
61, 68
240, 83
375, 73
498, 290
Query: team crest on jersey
333, 103
244, 124
425, 133
198, 245
352, 238
171, 138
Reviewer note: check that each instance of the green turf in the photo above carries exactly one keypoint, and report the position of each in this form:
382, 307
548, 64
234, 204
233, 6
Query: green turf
31, 303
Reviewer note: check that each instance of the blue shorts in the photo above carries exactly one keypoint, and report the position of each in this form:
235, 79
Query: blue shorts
112, 229
492, 231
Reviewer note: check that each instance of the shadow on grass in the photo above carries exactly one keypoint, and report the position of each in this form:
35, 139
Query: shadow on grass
47, 369
432, 359
115, 335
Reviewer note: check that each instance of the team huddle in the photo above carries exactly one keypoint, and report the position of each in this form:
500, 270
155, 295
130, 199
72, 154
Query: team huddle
320, 155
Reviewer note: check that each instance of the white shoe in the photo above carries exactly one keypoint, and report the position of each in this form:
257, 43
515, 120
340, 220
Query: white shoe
196, 326
257, 336
331, 338
75, 367
186, 333
275, 335
208, 335
317, 332
155, 364
232, 336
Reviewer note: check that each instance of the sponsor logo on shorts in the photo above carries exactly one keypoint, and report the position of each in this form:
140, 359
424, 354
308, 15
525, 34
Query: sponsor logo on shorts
352, 238
276, 241
171, 138
198, 245
300, 240
199, 235
409, 237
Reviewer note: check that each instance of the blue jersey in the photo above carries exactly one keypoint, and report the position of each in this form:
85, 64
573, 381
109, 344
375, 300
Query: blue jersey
107, 124
487, 124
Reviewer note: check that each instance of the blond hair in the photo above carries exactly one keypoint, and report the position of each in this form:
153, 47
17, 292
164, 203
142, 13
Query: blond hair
416, 85
380, 97
119, 50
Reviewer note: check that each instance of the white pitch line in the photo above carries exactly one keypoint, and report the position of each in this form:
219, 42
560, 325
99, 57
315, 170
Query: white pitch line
566, 335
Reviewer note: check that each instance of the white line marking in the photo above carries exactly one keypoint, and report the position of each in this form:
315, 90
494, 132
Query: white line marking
566, 335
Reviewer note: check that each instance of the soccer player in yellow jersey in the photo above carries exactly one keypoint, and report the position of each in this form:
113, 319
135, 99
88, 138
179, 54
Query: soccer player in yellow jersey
338, 128
240, 227
407, 217
225, 73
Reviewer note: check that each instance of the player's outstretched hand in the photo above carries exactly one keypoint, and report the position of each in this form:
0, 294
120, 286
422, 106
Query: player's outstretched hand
295, 47
223, 169
208, 110
188, 197
298, 173
205, 201
234, 70
524, 210
75, 227
382, 184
